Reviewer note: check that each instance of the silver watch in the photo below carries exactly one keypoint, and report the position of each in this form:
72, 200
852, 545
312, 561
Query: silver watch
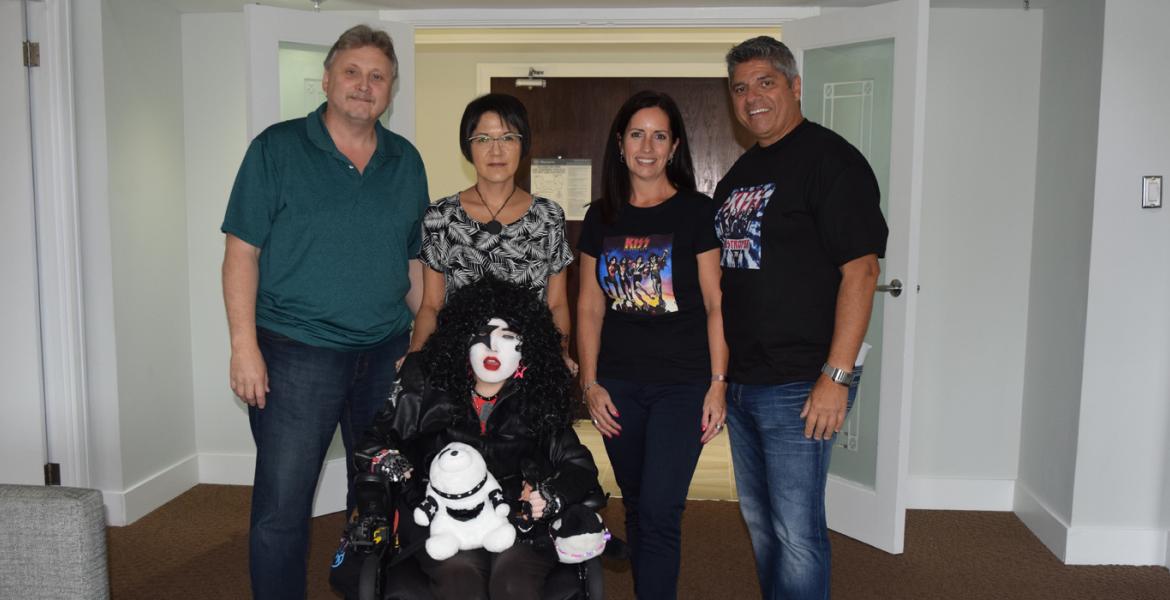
840, 376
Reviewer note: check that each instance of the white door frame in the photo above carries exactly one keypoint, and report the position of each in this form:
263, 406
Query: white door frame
850, 506
58, 244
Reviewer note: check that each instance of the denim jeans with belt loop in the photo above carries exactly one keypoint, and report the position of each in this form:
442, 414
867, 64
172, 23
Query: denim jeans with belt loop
311, 391
780, 476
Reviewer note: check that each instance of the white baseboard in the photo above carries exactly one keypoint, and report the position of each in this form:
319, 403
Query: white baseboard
1115, 546
226, 469
1045, 524
115, 508
126, 507
1082, 545
239, 469
942, 493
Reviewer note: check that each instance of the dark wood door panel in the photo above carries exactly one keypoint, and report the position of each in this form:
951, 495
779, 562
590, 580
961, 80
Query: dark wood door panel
716, 138
571, 116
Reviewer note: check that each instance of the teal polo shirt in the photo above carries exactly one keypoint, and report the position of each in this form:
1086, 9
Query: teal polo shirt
334, 242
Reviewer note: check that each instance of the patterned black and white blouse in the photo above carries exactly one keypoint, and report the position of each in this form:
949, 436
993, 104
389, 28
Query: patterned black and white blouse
527, 251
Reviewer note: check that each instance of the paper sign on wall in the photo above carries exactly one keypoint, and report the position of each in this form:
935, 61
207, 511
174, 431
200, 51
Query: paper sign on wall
566, 181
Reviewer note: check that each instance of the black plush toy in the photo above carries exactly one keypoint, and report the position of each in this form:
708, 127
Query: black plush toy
579, 535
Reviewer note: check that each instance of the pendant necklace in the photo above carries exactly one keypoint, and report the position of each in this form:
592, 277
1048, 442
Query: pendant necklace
493, 226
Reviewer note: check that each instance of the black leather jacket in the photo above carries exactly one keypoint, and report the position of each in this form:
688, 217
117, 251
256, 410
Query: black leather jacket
419, 420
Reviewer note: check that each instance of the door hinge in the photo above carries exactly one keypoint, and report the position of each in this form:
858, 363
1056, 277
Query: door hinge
32, 54
52, 474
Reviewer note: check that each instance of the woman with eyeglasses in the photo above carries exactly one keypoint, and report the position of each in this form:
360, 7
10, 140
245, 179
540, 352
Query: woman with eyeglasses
494, 227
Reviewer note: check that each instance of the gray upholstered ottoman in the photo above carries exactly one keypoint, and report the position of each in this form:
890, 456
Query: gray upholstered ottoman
52, 543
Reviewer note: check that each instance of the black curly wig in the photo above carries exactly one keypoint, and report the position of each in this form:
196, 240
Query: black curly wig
545, 388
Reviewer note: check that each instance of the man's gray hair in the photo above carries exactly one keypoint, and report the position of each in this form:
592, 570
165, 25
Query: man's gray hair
360, 36
763, 47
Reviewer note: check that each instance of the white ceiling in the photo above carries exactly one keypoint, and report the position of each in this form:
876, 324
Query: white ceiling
236, 5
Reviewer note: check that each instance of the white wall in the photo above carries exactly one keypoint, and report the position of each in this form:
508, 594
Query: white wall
216, 138
1095, 457
1122, 449
133, 203
976, 229
96, 261
215, 125
1065, 170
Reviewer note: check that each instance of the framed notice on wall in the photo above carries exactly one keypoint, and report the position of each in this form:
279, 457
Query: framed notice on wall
566, 181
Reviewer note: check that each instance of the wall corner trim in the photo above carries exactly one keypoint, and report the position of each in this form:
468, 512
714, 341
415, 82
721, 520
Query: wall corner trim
135, 502
1091, 545
1045, 524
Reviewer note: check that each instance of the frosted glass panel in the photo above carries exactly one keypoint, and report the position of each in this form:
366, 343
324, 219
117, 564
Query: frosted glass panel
849, 89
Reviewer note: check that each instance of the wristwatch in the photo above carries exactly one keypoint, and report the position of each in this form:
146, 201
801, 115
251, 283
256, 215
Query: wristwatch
840, 376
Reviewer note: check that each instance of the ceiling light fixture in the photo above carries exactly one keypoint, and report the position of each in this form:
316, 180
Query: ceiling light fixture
534, 79
317, 5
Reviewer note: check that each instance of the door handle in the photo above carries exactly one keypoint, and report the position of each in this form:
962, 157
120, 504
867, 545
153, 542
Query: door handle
894, 288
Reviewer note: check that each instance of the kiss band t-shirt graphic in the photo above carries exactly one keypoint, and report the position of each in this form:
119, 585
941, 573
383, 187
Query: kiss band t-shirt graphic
635, 273
738, 222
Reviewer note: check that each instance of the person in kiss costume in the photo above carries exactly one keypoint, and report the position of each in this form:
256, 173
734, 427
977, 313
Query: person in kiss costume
490, 376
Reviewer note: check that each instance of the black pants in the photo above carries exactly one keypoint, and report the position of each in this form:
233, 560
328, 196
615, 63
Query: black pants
518, 573
653, 460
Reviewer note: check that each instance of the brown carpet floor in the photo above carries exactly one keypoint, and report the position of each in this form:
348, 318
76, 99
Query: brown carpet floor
197, 547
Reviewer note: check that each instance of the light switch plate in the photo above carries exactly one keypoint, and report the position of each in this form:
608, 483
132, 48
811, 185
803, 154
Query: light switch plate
1152, 191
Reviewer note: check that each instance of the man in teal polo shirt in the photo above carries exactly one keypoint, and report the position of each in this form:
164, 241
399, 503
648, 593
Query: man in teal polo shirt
322, 233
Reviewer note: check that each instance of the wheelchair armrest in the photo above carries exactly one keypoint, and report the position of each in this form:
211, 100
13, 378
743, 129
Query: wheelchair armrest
596, 499
373, 512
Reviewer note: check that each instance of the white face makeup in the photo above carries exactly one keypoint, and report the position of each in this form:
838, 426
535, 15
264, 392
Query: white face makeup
495, 352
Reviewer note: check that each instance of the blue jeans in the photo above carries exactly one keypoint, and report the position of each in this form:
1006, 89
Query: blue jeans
653, 460
780, 476
312, 390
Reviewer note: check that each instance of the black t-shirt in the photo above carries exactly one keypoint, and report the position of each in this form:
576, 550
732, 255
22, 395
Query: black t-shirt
655, 327
789, 216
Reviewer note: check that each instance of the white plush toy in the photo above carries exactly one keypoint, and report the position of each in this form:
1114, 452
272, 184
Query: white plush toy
464, 505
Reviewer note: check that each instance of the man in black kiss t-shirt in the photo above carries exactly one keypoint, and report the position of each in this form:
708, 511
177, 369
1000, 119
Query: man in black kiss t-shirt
802, 232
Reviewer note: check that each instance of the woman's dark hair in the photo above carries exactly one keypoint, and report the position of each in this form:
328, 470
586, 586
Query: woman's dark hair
615, 176
511, 111
545, 386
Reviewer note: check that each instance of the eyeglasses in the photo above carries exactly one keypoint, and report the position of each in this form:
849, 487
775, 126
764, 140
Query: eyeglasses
508, 140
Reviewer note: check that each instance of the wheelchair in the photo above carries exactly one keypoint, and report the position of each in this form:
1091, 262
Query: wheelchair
372, 566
